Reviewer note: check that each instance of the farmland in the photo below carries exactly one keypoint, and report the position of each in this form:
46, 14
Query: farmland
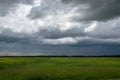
59, 68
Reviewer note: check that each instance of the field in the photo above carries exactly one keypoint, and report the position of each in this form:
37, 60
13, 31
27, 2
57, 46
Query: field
59, 68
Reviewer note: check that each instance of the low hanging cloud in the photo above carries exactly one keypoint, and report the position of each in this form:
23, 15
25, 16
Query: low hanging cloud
60, 23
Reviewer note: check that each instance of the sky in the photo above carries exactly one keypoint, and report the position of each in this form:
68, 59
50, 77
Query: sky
59, 27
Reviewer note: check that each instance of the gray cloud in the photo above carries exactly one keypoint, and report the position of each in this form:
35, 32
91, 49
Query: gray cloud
97, 10
85, 27
86, 10
7, 6
49, 7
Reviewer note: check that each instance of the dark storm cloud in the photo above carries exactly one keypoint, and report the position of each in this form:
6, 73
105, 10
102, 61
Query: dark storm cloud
98, 9
25, 49
8, 36
60, 27
55, 32
29, 45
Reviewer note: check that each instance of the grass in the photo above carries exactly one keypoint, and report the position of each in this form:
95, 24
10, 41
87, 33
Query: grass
59, 68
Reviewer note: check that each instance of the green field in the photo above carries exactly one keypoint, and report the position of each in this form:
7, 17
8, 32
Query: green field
59, 68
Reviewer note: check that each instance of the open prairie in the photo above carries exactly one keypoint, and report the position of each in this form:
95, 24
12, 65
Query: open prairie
59, 68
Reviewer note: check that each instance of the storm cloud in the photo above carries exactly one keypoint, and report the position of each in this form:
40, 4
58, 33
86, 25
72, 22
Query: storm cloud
96, 9
59, 27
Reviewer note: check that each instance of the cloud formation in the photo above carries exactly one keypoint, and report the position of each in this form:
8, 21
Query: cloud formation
6, 6
60, 24
96, 10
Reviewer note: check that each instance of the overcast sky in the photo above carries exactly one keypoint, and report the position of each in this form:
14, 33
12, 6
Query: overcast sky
60, 27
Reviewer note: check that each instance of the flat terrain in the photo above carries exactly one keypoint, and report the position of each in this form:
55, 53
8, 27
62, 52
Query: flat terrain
59, 68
